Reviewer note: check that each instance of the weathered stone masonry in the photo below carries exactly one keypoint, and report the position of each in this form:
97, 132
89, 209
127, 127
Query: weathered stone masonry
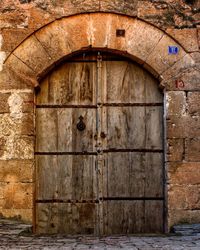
36, 34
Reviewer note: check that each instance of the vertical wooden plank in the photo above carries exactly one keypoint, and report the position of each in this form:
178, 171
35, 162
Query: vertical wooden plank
46, 219
154, 127
154, 175
83, 140
70, 83
66, 218
42, 96
152, 92
47, 185
126, 127
153, 216
70, 139
124, 217
65, 128
57, 130
137, 175
125, 82
74, 83
46, 130
70, 177
131, 182
84, 178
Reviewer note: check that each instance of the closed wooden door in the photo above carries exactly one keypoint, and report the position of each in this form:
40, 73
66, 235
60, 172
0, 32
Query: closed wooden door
99, 149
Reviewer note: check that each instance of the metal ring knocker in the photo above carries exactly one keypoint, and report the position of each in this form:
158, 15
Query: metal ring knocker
81, 125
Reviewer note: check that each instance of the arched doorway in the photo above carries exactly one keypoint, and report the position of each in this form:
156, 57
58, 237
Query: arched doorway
99, 148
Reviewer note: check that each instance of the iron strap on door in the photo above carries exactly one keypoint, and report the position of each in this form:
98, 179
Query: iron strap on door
99, 157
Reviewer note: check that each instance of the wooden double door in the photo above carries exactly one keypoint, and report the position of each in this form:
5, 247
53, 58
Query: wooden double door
99, 149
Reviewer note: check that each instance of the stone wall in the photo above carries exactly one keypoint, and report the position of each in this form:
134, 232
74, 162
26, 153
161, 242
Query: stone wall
179, 20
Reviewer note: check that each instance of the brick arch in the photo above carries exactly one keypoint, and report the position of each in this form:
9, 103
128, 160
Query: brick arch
142, 42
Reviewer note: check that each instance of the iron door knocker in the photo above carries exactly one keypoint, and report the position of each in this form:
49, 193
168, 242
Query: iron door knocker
81, 125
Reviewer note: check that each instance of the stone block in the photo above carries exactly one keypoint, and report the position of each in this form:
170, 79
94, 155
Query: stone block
176, 103
191, 43
183, 127
125, 7
113, 24
18, 147
193, 99
13, 37
78, 30
196, 57
112, 5
35, 58
156, 12
22, 124
4, 107
178, 67
187, 80
17, 70
139, 40
183, 173
160, 59
2, 187
27, 124
40, 18
25, 215
22, 101
9, 80
15, 171
175, 149
192, 149
75, 6
2, 145
180, 216
130, 7
54, 40
104, 37
184, 197
18, 196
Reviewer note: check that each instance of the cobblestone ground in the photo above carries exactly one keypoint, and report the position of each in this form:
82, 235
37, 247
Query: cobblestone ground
13, 236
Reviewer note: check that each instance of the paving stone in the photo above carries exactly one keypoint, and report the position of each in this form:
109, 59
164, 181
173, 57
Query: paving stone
11, 238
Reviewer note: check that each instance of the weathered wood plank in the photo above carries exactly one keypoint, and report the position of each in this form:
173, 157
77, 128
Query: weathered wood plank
126, 127
124, 217
142, 175
127, 217
154, 217
154, 127
83, 140
154, 175
57, 130
131, 182
127, 82
71, 83
68, 177
46, 130
66, 218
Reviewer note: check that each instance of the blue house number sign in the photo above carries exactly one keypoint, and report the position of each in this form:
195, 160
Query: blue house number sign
173, 50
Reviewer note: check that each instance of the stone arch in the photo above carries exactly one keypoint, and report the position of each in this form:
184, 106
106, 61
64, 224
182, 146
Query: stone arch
142, 42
